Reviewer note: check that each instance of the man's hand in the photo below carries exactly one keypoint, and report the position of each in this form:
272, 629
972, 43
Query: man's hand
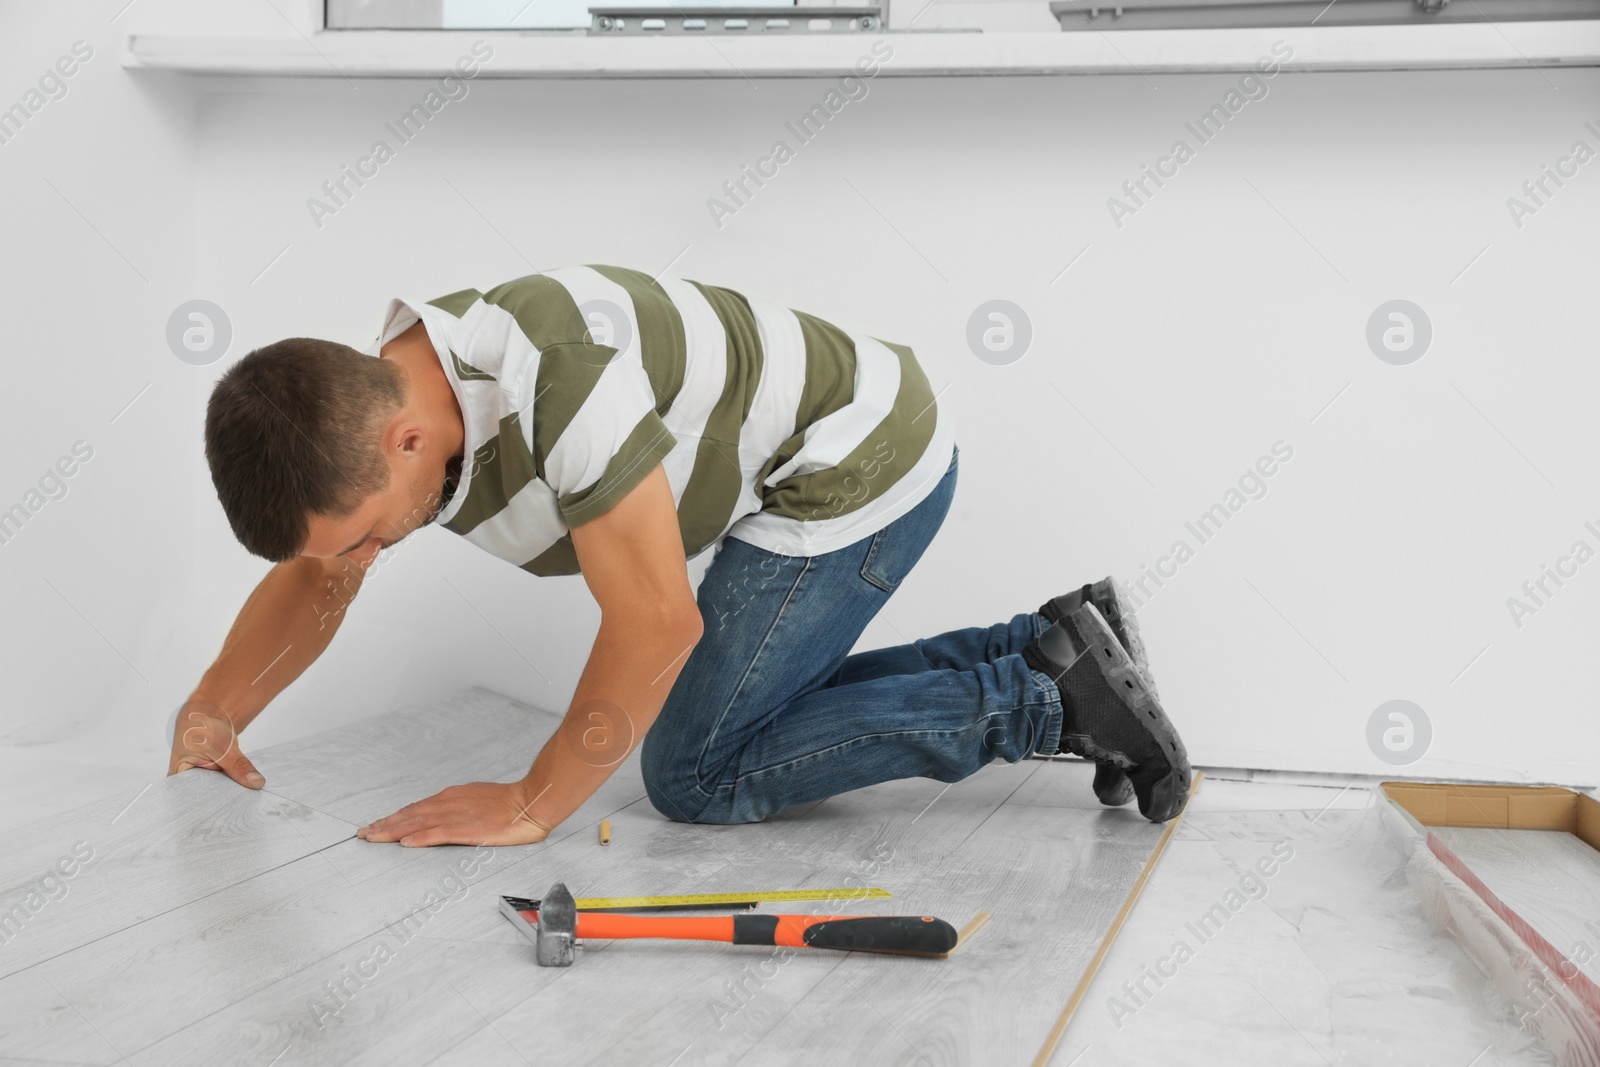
632, 559
478, 813
204, 736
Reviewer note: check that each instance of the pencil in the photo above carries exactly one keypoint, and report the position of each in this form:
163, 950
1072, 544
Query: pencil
605, 831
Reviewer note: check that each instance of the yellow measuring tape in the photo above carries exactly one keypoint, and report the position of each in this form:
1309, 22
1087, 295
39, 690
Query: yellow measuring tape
713, 900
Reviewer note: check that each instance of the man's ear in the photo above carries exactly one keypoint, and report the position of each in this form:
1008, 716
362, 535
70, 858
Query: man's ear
403, 436
411, 437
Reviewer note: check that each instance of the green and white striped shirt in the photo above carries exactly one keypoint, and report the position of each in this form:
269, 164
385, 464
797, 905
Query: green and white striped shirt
775, 427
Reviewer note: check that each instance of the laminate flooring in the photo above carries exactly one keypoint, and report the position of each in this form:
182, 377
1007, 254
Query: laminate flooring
203, 923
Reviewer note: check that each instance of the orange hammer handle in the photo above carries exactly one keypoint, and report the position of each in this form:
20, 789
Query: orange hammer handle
604, 927
915, 934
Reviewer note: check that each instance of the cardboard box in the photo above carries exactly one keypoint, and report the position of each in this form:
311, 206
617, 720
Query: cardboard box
1552, 991
1504, 807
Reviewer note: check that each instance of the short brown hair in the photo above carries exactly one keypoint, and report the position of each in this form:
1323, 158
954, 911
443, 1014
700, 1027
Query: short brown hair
292, 430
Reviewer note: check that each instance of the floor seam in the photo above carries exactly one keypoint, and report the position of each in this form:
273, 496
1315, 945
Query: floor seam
997, 807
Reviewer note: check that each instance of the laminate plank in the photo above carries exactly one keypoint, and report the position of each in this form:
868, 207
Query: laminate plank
160, 971
145, 983
133, 857
367, 769
38, 1025
486, 1048
293, 977
378, 1000
1064, 783
1328, 961
1289, 825
150, 981
1052, 888
410, 997
1067, 788
1549, 877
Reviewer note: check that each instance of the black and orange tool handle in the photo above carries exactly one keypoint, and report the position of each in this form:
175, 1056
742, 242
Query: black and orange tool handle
915, 934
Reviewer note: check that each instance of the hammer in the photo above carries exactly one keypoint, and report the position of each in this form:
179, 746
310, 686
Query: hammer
560, 923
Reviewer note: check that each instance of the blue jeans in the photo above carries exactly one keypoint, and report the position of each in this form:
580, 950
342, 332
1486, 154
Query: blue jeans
771, 711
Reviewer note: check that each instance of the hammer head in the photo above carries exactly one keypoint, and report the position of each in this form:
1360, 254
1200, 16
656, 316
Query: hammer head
558, 928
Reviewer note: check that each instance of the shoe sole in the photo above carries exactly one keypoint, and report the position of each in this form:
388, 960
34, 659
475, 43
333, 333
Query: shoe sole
1117, 669
1111, 784
1110, 596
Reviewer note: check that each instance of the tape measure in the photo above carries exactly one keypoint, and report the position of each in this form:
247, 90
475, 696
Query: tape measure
709, 900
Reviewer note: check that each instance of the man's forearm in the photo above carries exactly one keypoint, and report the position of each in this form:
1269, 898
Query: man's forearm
632, 668
286, 623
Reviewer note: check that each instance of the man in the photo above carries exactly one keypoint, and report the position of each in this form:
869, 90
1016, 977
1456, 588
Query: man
594, 420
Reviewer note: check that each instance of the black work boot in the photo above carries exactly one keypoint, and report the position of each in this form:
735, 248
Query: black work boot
1109, 714
1111, 785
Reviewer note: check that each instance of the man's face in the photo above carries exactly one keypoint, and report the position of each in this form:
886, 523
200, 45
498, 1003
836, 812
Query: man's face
414, 497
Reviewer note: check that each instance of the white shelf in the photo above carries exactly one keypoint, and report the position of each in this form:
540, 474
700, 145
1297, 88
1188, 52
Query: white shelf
558, 54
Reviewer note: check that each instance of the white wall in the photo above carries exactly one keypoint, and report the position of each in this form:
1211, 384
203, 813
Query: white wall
1219, 319
99, 583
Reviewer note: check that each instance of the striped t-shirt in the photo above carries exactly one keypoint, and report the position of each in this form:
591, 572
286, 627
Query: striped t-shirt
774, 427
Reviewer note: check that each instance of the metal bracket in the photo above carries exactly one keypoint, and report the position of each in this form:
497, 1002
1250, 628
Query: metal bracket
664, 21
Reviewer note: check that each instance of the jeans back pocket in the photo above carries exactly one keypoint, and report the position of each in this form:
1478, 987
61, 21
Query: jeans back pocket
896, 548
